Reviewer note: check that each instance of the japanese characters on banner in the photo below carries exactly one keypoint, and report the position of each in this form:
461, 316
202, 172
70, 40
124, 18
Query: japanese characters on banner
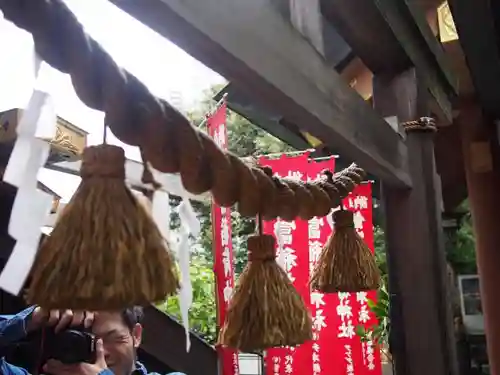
292, 252
335, 348
360, 202
327, 348
223, 247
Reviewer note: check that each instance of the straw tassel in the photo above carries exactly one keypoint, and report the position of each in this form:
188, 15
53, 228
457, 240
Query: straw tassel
105, 251
266, 310
345, 264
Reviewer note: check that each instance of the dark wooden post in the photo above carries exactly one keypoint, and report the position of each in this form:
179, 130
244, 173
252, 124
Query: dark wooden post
482, 166
423, 339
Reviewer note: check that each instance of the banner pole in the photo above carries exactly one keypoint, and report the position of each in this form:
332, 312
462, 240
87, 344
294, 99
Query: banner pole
290, 153
203, 123
220, 362
220, 369
219, 104
213, 110
325, 158
227, 359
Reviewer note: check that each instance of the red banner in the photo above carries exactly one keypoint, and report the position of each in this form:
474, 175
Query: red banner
327, 348
292, 254
335, 349
223, 247
360, 202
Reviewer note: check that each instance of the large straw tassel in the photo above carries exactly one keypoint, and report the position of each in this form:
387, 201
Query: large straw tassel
346, 263
105, 251
266, 310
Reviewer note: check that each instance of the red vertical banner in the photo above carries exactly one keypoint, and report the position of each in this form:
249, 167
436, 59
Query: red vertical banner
327, 348
360, 202
223, 247
293, 256
348, 306
335, 348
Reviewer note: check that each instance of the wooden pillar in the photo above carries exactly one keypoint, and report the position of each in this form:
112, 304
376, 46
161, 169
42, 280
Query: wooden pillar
422, 341
482, 166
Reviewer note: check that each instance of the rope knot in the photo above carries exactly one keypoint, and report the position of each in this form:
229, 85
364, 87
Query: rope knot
343, 219
261, 248
423, 124
105, 161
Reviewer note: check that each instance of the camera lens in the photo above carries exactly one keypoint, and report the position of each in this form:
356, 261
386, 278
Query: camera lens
72, 346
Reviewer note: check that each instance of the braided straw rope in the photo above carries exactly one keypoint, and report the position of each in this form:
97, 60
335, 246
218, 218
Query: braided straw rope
166, 138
423, 124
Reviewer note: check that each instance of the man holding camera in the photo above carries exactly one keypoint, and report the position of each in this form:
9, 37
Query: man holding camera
118, 337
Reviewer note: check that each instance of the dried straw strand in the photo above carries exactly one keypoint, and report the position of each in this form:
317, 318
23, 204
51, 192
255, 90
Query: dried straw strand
345, 264
105, 251
265, 310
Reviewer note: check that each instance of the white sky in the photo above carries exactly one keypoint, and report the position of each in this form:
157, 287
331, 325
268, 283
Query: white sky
160, 64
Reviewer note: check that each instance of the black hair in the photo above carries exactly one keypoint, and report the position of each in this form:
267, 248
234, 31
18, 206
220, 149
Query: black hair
132, 315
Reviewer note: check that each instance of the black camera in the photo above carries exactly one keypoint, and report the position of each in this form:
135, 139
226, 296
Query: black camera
69, 346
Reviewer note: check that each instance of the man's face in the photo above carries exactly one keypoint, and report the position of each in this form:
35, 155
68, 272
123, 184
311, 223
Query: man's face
120, 343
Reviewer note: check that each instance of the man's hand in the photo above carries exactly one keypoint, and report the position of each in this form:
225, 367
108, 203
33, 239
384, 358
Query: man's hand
54, 367
58, 319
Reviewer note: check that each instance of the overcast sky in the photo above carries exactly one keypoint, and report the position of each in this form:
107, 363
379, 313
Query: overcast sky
162, 66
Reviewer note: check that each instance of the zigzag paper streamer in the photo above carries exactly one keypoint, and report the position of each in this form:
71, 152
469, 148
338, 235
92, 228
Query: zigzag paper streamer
190, 225
161, 212
30, 209
31, 206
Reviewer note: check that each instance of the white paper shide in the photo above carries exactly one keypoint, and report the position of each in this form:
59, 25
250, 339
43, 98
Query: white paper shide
31, 206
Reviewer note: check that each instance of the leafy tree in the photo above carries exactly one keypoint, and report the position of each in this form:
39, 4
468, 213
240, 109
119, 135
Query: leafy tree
202, 316
461, 247
380, 253
378, 333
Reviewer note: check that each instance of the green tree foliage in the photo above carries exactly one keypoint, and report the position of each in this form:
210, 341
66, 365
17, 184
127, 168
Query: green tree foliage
202, 316
461, 247
378, 333
379, 245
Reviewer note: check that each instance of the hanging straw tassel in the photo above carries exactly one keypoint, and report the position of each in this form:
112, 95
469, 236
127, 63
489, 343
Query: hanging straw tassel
266, 310
346, 263
105, 251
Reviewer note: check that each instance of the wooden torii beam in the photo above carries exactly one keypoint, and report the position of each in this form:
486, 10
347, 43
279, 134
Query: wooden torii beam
391, 36
253, 45
475, 23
